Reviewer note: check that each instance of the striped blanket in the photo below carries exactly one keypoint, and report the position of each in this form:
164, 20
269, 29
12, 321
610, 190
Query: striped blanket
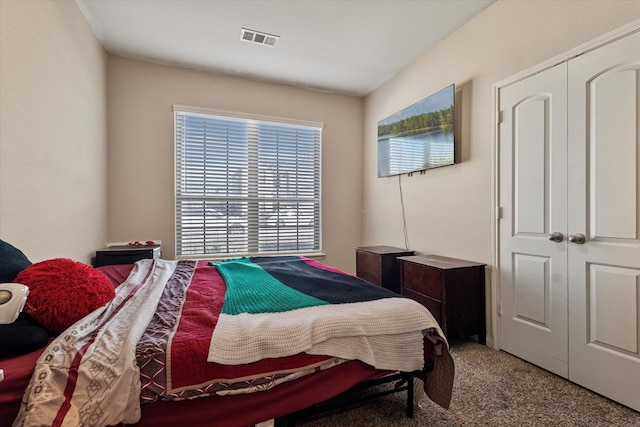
88, 375
276, 307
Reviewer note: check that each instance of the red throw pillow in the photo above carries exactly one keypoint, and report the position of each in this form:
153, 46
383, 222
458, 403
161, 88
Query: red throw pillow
63, 291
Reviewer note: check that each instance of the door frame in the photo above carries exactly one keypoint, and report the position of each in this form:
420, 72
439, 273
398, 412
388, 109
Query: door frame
495, 150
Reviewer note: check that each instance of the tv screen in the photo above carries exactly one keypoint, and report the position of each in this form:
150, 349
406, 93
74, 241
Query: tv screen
419, 137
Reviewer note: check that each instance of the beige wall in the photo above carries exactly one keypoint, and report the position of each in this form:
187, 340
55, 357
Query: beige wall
55, 84
52, 131
141, 147
448, 210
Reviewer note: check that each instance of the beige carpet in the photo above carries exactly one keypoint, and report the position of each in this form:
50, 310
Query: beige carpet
492, 388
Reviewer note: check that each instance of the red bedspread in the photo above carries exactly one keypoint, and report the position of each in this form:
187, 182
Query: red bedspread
17, 371
172, 354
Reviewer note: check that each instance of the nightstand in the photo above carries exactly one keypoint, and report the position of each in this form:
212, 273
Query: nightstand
126, 254
380, 266
452, 289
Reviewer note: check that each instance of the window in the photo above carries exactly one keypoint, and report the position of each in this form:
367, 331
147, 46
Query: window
245, 185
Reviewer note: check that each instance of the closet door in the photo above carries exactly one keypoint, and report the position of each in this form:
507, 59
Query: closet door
533, 203
604, 207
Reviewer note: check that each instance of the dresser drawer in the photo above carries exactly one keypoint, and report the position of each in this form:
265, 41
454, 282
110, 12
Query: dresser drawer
423, 279
434, 306
368, 267
380, 266
451, 289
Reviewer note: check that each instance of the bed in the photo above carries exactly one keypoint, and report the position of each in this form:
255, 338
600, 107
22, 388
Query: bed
232, 343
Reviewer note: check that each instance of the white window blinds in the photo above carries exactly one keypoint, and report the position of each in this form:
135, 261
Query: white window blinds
245, 185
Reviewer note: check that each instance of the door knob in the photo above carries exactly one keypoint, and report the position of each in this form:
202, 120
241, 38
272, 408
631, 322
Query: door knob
577, 238
556, 237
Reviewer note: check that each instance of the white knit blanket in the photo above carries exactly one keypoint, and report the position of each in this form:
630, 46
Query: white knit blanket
385, 333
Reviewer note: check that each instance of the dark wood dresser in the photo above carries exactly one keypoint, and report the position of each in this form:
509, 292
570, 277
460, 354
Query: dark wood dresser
380, 266
452, 289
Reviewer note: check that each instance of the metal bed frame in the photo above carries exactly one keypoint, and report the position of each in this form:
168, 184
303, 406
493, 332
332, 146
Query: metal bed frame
403, 382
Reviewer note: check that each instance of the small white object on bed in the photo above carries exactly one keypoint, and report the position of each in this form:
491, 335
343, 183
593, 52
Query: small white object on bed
12, 299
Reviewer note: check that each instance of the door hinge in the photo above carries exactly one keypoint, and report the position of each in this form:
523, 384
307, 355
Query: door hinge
499, 310
500, 212
500, 116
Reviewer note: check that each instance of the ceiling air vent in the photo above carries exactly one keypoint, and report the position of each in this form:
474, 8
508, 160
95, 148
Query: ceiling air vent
258, 37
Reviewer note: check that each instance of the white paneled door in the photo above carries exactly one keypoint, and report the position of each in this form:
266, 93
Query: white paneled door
604, 206
533, 200
569, 155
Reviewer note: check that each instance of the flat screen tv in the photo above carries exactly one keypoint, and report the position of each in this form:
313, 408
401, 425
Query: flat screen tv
419, 137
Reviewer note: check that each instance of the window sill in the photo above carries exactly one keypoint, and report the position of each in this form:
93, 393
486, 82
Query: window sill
313, 255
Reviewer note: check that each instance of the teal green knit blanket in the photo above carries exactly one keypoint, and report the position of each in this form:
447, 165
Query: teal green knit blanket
251, 289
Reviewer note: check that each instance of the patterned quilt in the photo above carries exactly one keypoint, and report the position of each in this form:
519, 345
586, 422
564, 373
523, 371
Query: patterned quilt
153, 340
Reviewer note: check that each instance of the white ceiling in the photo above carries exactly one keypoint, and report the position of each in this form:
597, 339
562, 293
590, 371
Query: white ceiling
341, 46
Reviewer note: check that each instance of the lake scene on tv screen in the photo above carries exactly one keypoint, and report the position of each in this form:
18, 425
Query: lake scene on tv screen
419, 137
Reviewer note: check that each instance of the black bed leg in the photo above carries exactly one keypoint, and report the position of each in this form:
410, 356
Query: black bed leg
285, 421
410, 397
